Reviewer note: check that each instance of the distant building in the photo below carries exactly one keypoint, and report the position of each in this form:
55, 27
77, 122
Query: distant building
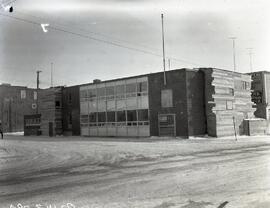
261, 93
193, 102
15, 102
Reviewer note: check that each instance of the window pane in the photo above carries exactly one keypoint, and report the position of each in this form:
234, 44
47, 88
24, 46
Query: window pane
120, 89
142, 86
84, 118
121, 116
110, 116
92, 93
132, 115
110, 90
92, 117
143, 115
101, 117
101, 92
166, 98
131, 88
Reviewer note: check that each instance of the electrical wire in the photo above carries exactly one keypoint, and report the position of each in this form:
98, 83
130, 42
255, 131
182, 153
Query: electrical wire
98, 39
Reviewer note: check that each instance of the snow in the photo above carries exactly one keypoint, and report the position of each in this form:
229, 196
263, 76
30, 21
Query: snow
145, 172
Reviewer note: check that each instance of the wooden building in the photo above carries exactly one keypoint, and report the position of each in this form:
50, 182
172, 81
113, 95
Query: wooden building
50, 108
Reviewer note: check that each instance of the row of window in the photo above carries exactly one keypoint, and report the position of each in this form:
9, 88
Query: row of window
134, 89
23, 94
116, 116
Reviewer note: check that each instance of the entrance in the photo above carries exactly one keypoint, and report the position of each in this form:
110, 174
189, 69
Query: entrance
166, 123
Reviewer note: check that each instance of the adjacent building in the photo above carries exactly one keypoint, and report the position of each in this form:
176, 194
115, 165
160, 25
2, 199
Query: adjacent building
15, 102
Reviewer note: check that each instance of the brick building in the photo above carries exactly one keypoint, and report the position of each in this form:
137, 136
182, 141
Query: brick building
15, 102
192, 102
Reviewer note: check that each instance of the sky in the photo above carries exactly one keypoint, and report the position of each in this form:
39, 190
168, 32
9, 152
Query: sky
108, 39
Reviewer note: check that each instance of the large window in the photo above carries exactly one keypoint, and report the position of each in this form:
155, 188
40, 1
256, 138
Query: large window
110, 92
92, 93
101, 92
143, 115
111, 116
131, 90
141, 88
166, 98
121, 116
93, 117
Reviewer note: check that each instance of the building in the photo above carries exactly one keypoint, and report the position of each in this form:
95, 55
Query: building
15, 102
261, 93
191, 102
50, 108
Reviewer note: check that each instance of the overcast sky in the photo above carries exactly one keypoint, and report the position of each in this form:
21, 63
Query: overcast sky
107, 39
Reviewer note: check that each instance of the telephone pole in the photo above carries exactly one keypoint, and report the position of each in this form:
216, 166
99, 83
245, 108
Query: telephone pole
163, 49
250, 58
37, 89
234, 62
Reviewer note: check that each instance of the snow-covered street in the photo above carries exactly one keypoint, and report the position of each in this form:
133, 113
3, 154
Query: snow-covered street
86, 172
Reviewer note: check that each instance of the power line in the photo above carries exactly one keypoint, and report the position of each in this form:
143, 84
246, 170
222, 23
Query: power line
97, 39
84, 30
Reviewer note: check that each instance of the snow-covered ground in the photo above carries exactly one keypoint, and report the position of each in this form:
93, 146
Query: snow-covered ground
99, 172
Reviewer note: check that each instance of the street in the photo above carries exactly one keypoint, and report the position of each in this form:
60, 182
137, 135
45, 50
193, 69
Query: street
98, 172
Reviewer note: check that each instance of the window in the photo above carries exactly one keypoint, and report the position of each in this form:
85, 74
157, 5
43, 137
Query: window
166, 98
120, 89
231, 91
83, 93
121, 116
143, 115
57, 104
110, 92
101, 92
35, 95
229, 105
23, 94
131, 88
110, 116
92, 93
131, 115
84, 118
101, 117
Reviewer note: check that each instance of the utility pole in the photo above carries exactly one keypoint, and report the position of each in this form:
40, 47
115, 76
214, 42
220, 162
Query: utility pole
37, 89
163, 50
250, 58
234, 62
52, 74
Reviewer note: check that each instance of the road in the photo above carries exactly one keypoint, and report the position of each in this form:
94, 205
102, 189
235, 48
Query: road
83, 173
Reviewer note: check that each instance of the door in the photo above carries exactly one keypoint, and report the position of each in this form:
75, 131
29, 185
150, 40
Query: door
166, 124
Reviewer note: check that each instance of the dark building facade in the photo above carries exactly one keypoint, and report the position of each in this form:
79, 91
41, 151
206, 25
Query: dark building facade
71, 111
15, 102
191, 102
